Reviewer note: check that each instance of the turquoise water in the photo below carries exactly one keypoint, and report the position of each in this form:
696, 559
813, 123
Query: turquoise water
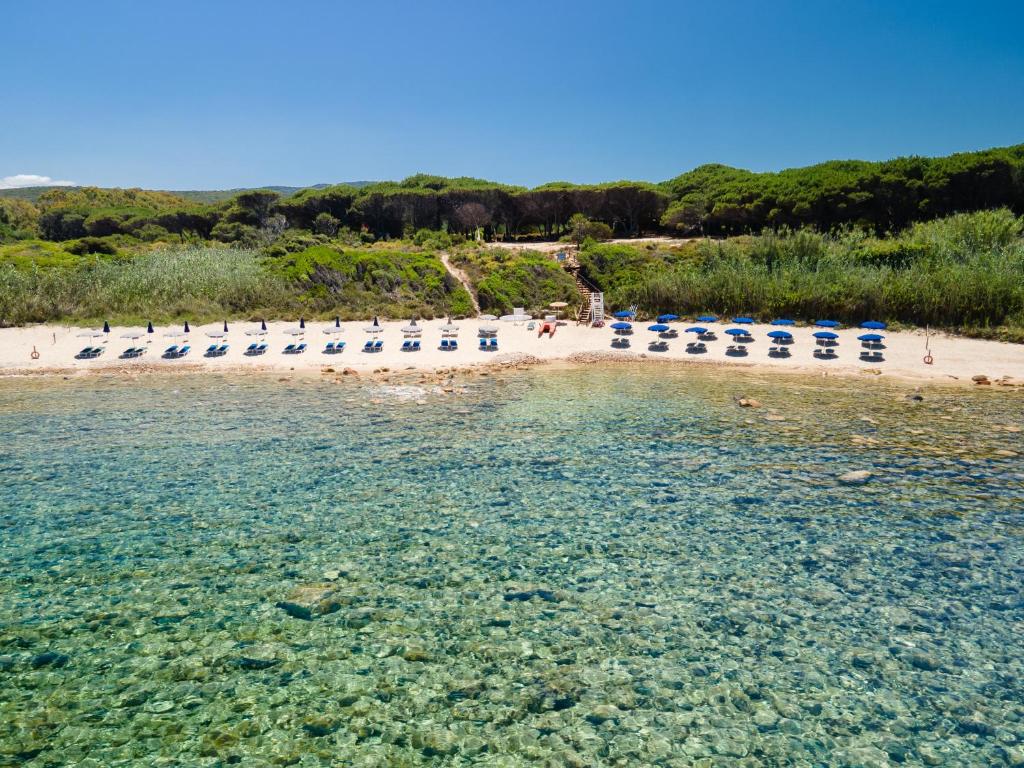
573, 568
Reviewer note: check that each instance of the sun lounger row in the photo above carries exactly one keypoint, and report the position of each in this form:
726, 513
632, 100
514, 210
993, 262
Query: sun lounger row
449, 345
89, 353
133, 352
491, 346
256, 349
373, 346
294, 349
334, 347
411, 346
216, 351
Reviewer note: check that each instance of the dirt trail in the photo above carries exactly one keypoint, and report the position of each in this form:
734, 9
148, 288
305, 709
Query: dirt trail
459, 275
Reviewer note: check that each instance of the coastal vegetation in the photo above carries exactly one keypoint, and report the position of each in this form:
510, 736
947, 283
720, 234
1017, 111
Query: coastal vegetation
964, 272
912, 240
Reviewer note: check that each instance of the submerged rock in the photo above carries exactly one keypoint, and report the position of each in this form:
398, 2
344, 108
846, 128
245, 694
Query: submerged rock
311, 600
856, 477
50, 659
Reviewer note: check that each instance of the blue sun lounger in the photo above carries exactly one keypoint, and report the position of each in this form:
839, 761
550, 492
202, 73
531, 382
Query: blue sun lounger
406, 346
183, 351
494, 344
289, 349
89, 353
171, 352
368, 346
378, 346
453, 344
416, 345
301, 348
444, 345
483, 344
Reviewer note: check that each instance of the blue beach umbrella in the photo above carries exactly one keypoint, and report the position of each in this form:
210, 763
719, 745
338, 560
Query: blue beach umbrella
870, 337
697, 329
826, 335
783, 321
667, 318
707, 319
658, 328
780, 335
623, 313
827, 323
874, 325
743, 320
621, 327
738, 332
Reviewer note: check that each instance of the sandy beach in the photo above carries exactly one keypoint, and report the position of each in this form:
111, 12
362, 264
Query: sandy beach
955, 359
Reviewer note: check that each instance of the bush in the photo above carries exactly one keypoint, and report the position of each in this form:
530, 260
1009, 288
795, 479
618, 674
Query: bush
92, 245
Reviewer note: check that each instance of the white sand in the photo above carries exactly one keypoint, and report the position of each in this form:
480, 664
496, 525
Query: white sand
955, 359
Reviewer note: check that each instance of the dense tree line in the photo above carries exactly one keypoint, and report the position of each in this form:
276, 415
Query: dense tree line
883, 197
711, 200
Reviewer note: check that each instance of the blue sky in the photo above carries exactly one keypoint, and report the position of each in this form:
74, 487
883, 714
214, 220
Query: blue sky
188, 94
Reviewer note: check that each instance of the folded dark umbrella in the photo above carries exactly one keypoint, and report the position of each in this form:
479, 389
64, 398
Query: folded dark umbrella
225, 326
263, 325
106, 327
302, 323
187, 329
337, 322
149, 327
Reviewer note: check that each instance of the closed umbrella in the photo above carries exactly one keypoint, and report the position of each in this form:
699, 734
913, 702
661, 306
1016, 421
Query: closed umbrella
187, 329
106, 327
302, 323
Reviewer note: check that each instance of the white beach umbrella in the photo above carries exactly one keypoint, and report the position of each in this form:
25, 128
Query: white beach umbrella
133, 335
336, 328
295, 331
95, 333
488, 317
374, 327
261, 331
488, 329
516, 318
412, 329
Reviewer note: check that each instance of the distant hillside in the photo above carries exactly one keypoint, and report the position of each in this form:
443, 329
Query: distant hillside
198, 195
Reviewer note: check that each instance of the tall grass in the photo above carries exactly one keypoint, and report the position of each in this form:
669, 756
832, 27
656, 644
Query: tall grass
965, 273
202, 283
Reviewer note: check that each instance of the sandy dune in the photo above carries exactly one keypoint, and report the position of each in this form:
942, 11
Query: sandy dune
955, 359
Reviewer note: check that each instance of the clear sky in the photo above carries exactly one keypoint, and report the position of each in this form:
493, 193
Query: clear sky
201, 94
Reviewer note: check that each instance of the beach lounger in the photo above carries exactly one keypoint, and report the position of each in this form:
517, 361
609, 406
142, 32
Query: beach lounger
416, 345
262, 348
171, 352
483, 344
329, 349
213, 351
289, 349
252, 349
339, 347
85, 354
453, 344
378, 346
406, 346
183, 351
444, 345
301, 348
368, 346
493, 345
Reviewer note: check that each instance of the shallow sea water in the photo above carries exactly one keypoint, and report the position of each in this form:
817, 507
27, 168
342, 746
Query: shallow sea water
556, 568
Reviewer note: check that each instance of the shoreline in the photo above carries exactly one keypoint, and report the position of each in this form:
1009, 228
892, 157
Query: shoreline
957, 360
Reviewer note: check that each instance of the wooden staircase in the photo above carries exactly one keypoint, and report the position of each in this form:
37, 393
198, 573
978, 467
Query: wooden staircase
591, 307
